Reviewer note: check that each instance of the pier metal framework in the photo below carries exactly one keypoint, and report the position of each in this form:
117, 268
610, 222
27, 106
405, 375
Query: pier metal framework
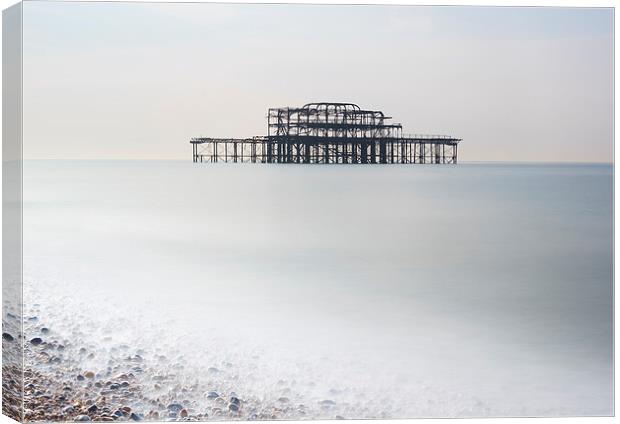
328, 133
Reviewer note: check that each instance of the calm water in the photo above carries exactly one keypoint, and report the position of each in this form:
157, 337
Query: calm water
400, 291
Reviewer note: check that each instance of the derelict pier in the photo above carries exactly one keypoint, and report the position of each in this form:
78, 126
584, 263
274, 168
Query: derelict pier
328, 133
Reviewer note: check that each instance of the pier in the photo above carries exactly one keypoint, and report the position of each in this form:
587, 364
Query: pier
329, 133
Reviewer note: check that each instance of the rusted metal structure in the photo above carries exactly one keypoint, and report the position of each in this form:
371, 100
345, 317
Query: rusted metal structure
328, 133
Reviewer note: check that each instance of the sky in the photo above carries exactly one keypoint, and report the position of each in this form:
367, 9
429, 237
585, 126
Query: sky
138, 80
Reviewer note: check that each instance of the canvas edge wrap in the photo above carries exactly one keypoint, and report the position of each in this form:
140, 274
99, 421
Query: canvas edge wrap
12, 166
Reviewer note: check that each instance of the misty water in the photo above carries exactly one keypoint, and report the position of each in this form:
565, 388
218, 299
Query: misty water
357, 291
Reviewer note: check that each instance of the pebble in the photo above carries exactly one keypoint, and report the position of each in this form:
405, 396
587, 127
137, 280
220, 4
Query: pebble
89, 374
45, 330
82, 418
7, 337
92, 408
36, 341
135, 417
212, 395
183, 413
176, 407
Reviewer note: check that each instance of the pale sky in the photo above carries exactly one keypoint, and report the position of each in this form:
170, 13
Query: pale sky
138, 80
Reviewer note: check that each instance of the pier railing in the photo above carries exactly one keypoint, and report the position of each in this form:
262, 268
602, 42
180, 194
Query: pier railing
412, 148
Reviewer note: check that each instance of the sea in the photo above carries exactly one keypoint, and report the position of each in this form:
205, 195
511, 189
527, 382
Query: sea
359, 291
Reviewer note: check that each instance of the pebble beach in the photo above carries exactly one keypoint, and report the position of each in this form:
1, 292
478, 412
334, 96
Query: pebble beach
61, 383
82, 366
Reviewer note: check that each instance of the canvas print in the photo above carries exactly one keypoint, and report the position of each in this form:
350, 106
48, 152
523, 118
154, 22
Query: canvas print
219, 211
